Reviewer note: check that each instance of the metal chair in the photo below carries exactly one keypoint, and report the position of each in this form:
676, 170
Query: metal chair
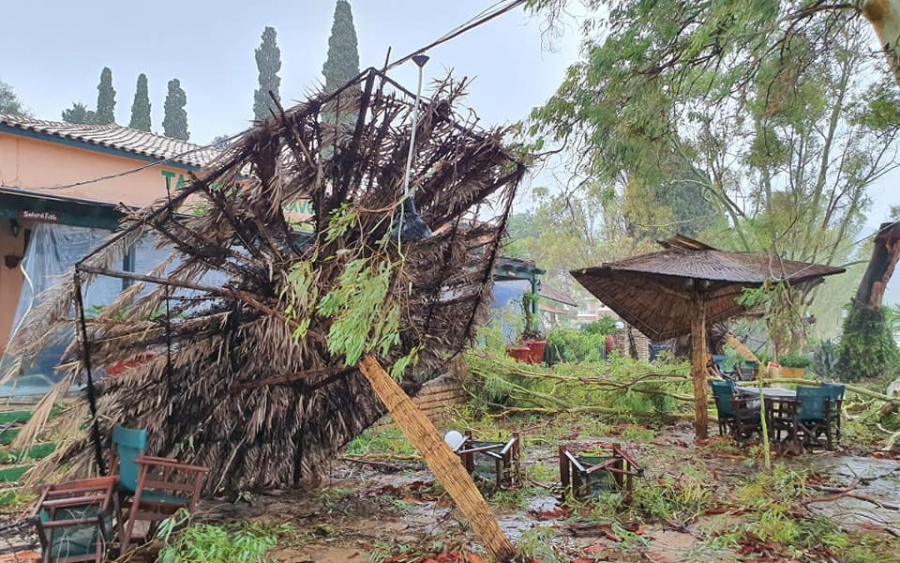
588, 475
492, 461
74, 520
150, 488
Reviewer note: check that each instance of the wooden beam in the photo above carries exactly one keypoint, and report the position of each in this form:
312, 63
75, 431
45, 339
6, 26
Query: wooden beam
698, 363
446, 466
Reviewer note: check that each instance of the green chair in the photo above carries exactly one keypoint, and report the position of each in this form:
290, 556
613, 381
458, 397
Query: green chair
738, 415
837, 405
150, 488
814, 416
74, 520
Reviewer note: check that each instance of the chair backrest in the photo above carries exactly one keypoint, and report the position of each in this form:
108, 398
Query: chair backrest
835, 391
813, 401
723, 391
129, 445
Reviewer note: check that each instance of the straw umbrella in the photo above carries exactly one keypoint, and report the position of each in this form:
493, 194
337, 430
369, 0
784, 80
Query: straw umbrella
682, 288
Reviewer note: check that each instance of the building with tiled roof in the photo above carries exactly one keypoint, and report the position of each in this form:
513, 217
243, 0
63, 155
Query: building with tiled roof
62, 188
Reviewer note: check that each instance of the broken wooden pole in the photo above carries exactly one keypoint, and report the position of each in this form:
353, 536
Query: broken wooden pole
698, 363
440, 458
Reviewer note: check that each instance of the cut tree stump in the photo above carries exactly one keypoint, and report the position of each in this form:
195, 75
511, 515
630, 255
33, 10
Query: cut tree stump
440, 458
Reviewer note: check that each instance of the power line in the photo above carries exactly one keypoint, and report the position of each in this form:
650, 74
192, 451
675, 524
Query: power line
479, 20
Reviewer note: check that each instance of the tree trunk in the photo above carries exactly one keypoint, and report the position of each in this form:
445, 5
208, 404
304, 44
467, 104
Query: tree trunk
445, 465
884, 15
698, 365
881, 266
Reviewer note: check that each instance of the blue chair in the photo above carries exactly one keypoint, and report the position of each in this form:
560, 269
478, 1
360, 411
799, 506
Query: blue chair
151, 488
814, 416
735, 413
837, 404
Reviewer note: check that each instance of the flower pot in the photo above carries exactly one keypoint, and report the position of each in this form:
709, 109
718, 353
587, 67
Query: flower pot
519, 353
535, 351
792, 373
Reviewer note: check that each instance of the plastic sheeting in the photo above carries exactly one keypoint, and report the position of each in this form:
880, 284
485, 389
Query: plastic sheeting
52, 251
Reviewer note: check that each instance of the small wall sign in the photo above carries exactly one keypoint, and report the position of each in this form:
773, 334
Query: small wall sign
39, 216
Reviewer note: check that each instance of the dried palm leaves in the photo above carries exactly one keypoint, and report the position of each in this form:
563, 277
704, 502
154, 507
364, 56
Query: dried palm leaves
231, 356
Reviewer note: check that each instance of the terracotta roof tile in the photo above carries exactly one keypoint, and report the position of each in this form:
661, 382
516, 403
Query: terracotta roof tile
117, 137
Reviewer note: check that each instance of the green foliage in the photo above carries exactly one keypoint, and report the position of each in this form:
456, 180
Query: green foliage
268, 62
106, 99
207, 543
79, 113
9, 101
825, 360
140, 108
794, 361
175, 121
381, 442
868, 349
605, 326
342, 63
570, 345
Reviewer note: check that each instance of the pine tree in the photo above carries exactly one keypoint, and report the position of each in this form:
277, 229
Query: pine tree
106, 99
9, 101
175, 123
268, 61
80, 114
140, 108
343, 55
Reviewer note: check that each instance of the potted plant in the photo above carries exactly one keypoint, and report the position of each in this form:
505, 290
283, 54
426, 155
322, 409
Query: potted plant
793, 365
532, 338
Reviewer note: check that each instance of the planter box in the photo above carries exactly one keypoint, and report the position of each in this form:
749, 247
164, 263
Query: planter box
793, 373
530, 352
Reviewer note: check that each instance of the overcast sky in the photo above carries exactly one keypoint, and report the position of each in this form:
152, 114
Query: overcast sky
54, 54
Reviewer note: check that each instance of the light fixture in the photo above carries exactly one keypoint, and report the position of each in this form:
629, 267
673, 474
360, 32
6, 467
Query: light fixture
14, 227
620, 325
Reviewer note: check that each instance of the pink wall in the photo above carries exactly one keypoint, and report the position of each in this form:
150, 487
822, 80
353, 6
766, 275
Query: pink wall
36, 165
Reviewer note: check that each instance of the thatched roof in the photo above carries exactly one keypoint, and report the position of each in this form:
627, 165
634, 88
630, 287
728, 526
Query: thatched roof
245, 376
653, 292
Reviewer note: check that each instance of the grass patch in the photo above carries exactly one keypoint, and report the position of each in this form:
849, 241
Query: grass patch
13, 474
387, 442
219, 544
38, 451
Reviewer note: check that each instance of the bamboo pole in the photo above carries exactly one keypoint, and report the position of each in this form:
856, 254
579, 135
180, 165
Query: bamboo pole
441, 460
698, 364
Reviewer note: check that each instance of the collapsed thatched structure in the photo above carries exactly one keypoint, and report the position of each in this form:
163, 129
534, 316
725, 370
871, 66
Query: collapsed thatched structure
229, 345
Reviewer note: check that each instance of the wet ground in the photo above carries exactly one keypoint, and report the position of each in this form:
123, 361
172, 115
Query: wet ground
365, 513
696, 502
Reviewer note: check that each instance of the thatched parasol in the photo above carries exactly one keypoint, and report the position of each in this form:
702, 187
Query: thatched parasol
679, 290
231, 351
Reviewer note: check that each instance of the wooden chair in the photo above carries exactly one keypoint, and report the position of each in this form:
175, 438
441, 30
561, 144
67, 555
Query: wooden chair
814, 417
588, 475
74, 520
737, 414
836, 407
150, 488
493, 461
781, 418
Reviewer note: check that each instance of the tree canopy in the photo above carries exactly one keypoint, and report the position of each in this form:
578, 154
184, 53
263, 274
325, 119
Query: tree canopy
9, 101
79, 113
175, 121
343, 55
140, 108
268, 62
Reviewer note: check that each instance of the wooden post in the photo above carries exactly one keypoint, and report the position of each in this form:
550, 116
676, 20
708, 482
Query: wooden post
445, 465
698, 363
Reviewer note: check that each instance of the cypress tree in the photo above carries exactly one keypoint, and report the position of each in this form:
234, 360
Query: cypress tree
175, 117
343, 55
268, 61
106, 99
140, 108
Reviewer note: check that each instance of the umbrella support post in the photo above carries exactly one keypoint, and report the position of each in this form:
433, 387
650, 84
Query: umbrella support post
698, 366
440, 459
